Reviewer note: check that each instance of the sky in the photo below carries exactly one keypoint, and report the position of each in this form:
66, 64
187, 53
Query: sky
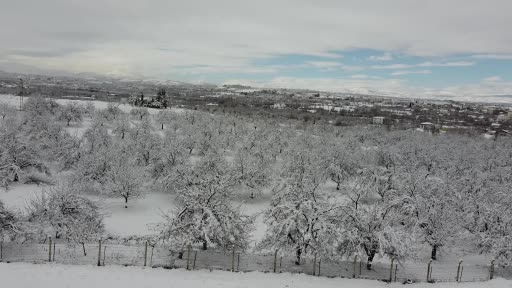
453, 48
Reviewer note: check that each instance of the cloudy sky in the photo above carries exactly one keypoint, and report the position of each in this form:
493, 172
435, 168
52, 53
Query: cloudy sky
449, 47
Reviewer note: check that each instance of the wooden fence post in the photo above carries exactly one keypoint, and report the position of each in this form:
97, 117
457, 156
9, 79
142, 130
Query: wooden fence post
151, 258
354, 264
238, 262
233, 259
188, 257
146, 254
491, 270
50, 250
459, 271
314, 265
429, 271
99, 253
195, 257
275, 261
104, 254
391, 270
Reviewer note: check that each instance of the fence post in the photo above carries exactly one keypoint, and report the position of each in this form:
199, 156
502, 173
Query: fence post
233, 259
1, 251
146, 254
50, 250
188, 257
275, 261
391, 270
355, 261
104, 254
238, 262
314, 265
429, 271
459, 272
491, 270
53, 257
195, 257
151, 258
319, 266
99, 252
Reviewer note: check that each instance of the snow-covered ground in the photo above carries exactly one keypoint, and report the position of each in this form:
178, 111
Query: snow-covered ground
55, 276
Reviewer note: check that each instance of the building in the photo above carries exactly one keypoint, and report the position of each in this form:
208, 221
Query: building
502, 117
379, 120
427, 126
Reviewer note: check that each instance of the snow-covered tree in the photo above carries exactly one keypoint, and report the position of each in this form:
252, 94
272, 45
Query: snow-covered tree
252, 166
341, 166
140, 112
123, 178
70, 112
373, 222
428, 203
7, 110
8, 223
164, 117
204, 215
121, 126
145, 144
17, 152
38, 105
64, 215
302, 219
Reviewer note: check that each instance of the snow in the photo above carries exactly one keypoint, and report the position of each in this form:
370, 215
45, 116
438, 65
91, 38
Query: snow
56, 276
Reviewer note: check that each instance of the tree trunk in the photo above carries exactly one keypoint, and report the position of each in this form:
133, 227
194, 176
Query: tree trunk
16, 178
370, 259
299, 252
83, 246
125, 202
162, 126
68, 122
434, 252
338, 186
205, 245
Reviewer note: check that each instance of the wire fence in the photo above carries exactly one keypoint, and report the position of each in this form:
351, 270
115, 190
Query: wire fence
102, 254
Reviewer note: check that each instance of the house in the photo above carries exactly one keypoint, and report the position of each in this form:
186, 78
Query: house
379, 120
427, 126
502, 117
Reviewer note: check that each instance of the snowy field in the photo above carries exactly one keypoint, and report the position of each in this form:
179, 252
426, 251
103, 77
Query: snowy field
55, 276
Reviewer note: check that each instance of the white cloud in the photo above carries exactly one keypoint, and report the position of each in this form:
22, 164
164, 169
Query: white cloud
424, 64
493, 56
493, 79
446, 64
392, 66
385, 57
331, 65
407, 72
